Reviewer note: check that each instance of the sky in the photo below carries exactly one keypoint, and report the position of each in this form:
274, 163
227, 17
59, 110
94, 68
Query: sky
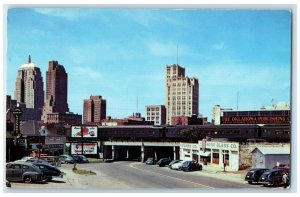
121, 54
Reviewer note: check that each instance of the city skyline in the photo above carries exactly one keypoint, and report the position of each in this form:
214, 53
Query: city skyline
122, 54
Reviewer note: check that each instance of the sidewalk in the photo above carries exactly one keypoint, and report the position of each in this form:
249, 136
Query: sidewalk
217, 171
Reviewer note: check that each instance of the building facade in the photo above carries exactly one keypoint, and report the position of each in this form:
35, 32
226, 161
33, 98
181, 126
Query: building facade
64, 118
277, 114
29, 89
157, 114
94, 109
182, 93
56, 90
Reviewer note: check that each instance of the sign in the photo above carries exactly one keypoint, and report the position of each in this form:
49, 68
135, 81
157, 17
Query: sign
54, 146
87, 131
88, 148
17, 113
255, 120
189, 146
223, 145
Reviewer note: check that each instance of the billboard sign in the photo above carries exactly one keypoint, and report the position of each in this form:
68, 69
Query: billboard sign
88, 148
255, 120
87, 131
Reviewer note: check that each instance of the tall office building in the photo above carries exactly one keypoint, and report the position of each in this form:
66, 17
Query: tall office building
94, 109
29, 89
182, 93
56, 90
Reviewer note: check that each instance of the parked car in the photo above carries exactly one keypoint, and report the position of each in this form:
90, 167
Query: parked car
163, 162
23, 171
33, 160
172, 162
150, 161
80, 159
254, 174
191, 166
272, 177
285, 167
49, 171
66, 159
177, 166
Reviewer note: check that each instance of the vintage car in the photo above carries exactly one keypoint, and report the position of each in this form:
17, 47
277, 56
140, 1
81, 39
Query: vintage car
23, 171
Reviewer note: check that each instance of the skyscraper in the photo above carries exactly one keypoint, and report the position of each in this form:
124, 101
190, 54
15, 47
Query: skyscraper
29, 89
94, 109
56, 90
182, 93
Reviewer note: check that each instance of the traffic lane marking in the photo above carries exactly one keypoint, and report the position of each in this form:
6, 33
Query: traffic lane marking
131, 165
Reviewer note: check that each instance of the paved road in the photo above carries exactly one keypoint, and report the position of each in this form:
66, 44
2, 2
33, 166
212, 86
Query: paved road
134, 175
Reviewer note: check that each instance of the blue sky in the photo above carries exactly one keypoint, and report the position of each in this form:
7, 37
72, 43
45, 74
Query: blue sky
121, 54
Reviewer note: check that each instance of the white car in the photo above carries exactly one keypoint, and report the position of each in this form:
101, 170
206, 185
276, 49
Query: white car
177, 166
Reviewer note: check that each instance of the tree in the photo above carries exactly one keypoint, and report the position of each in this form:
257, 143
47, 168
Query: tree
190, 134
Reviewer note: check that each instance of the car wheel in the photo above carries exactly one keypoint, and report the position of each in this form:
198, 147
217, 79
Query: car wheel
27, 179
265, 185
49, 178
250, 182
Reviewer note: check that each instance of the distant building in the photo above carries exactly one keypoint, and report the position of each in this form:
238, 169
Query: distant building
94, 109
182, 93
29, 90
56, 90
156, 113
186, 120
135, 119
64, 118
277, 114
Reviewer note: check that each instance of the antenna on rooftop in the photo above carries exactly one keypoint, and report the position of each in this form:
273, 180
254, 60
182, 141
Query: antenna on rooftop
237, 101
177, 54
137, 104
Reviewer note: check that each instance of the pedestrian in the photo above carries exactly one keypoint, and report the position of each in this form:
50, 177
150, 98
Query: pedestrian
285, 180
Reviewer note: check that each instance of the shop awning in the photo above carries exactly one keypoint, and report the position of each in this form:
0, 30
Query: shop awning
204, 154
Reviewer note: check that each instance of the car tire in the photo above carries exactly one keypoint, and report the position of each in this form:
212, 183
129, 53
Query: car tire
265, 185
250, 182
49, 179
27, 179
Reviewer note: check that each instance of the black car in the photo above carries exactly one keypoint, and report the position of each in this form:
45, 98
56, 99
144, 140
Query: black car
80, 159
254, 174
191, 166
48, 171
163, 162
150, 161
272, 177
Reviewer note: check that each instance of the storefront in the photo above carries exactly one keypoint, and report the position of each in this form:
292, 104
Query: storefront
212, 153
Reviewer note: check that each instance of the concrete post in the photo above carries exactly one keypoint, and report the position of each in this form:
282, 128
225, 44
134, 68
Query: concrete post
174, 151
113, 152
142, 153
127, 154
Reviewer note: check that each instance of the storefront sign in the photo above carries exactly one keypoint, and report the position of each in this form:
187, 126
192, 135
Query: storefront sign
88, 148
17, 113
54, 146
255, 120
87, 131
223, 145
189, 146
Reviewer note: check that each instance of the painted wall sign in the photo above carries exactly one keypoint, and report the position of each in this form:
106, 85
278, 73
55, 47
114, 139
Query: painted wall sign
255, 120
87, 131
88, 148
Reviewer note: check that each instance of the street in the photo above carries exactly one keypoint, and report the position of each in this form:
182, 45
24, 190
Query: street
135, 175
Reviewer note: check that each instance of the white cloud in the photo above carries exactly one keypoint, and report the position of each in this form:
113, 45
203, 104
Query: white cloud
219, 46
167, 48
65, 13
